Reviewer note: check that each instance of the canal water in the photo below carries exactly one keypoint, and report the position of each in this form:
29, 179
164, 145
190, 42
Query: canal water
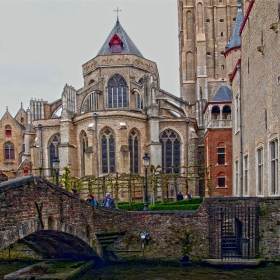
140, 271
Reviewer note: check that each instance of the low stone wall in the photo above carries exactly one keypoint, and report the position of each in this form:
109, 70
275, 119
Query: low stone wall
33, 207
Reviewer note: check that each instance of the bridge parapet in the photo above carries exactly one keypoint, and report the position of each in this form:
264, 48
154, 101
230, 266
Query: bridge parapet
32, 209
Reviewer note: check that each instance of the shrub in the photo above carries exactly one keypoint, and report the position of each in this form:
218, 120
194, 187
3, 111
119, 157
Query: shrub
135, 206
174, 207
197, 200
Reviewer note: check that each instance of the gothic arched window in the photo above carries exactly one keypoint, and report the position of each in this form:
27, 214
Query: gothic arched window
170, 144
108, 152
133, 142
117, 92
9, 150
53, 148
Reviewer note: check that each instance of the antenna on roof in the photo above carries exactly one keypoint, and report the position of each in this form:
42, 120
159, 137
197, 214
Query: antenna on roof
117, 10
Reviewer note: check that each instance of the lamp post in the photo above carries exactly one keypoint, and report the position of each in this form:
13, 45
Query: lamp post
56, 167
146, 163
95, 116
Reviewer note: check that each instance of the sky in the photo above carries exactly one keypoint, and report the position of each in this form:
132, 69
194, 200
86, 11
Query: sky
43, 44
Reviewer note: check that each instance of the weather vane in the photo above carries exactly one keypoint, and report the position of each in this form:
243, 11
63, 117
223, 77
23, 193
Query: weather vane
117, 10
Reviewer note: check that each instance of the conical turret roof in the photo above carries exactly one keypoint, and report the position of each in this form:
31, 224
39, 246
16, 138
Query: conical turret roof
223, 94
128, 45
235, 40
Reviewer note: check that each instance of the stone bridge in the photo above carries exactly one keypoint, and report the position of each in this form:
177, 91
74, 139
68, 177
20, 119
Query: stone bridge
58, 225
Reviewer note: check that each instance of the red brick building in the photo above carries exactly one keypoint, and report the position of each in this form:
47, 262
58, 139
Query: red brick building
218, 143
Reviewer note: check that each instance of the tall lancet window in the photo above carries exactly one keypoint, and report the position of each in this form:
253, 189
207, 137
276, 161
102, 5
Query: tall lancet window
9, 151
53, 148
171, 151
134, 151
108, 152
139, 101
117, 92
84, 146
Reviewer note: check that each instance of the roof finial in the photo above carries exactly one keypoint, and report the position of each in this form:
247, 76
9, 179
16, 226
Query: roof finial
7, 108
117, 10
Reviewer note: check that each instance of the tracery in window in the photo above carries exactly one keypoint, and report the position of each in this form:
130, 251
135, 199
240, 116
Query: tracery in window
171, 151
9, 151
53, 148
108, 152
133, 142
117, 92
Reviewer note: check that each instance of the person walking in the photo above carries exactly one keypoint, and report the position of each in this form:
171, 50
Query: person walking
108, 201
91, 199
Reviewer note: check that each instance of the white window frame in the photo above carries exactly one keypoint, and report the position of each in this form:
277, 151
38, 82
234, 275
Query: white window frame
246, 175
274, 161
260, 167
236, 177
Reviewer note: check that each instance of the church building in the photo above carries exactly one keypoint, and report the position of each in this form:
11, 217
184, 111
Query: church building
107, 126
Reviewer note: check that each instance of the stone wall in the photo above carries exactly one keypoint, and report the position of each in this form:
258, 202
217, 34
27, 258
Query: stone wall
56, 224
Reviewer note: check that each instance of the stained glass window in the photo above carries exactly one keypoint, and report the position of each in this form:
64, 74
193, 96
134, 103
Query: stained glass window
9, 151
8, 130
133, 142
53, 148
108, 152
117, 92
171, 151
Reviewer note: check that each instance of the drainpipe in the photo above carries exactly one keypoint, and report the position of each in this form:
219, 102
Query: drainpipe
95, 115
240, 131
187, 154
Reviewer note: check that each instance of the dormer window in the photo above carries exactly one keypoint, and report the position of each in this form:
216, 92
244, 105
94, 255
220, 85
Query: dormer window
116, 44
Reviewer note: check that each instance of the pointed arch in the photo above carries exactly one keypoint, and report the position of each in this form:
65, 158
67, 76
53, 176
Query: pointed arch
117, 96
108, 158
171, 151
134, 150
9, 151
53, 145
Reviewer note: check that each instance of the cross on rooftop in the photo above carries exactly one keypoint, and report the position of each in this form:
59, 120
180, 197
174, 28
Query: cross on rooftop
117, 10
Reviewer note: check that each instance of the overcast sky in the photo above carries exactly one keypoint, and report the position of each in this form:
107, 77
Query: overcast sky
43, 44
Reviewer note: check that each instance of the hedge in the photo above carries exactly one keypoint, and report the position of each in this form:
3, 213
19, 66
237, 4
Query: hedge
135, 206
197, 200
173, 207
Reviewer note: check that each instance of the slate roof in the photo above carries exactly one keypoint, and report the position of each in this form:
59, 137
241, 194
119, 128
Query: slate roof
235, 40
223, 94
128, 45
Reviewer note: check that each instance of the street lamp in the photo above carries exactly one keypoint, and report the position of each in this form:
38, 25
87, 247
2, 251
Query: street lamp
146, 163
56, 167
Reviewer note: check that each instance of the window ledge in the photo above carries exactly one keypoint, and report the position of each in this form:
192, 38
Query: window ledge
11, 161
225, 187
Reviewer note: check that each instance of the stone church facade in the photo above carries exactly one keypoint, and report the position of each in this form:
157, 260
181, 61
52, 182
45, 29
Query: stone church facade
107, 126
